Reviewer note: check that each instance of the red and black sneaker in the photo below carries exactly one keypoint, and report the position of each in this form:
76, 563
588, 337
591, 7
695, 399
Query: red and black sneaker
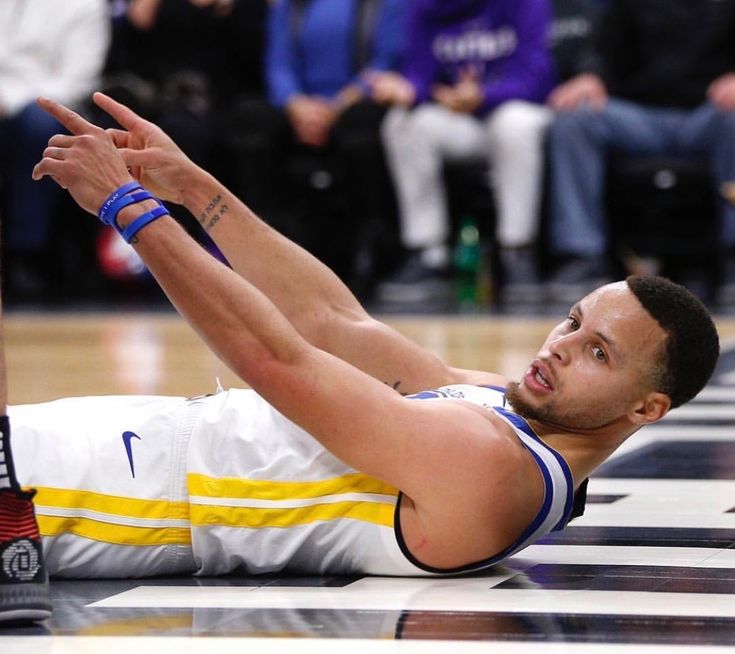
24, 589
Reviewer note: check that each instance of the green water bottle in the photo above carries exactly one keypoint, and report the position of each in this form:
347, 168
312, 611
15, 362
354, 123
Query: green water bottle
467, 260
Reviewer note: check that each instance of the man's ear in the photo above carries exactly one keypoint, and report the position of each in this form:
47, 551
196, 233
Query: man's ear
651, 408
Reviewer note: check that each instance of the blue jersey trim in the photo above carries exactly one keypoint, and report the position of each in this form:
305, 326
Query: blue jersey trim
545, 507
519, 422
500, 389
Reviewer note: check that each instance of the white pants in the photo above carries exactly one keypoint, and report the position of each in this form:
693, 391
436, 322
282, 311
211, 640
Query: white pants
139, 486
111, 478
511, 140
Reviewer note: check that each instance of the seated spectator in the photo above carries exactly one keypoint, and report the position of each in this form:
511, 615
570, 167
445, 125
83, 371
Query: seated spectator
662, 82
319, 106
520, 147
475, 71
60, 53
187, 65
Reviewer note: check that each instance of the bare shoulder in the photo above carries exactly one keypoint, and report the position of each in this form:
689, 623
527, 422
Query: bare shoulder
481, 508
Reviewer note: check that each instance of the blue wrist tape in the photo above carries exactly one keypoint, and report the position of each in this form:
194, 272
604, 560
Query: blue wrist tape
114, 197
124, 197
141, 221
118, 205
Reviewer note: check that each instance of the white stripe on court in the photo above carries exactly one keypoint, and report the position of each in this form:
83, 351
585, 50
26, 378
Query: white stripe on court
224, 645
472, 594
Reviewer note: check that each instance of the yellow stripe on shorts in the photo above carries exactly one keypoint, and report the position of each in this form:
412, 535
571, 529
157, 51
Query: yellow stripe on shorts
51, 503
114, 534
131, 507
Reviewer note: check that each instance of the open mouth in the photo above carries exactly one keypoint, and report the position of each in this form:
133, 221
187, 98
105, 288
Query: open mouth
539, 377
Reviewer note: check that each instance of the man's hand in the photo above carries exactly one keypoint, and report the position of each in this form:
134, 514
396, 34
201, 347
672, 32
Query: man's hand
221, 7
582, 90
311, 119
728, 191
464, 97
721, 92
347, 97
86, 162
390, 88
151, 156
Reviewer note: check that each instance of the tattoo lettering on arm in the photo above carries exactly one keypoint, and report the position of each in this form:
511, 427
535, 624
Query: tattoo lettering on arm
222, 211
213, 212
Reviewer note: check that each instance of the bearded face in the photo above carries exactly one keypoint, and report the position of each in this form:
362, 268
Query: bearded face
568, 416
594, 367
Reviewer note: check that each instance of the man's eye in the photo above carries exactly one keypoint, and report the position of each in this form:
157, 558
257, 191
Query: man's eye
599, 354
573, 323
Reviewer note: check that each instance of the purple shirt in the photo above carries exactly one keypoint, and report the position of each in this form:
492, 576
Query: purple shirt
504, 41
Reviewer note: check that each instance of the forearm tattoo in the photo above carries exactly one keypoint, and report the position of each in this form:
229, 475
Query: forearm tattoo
212, 213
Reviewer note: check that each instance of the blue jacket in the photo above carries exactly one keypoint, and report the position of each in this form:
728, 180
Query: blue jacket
316, 54
504, 41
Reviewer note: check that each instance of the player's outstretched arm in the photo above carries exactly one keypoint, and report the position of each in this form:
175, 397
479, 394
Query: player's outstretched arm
308, 293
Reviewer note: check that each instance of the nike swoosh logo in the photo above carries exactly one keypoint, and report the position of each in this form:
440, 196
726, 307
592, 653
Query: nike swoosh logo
127, 437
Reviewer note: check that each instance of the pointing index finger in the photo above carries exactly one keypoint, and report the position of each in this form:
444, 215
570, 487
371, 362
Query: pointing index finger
126, 117
68, 118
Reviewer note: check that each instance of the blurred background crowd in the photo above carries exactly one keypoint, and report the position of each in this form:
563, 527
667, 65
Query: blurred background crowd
474, 153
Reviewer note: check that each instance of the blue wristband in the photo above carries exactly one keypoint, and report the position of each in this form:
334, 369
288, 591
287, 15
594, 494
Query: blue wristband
141, 221
125, 201
114, 196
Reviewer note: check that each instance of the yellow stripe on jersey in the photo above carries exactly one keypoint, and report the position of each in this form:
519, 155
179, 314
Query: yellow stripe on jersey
113, 505
267, 489
259, 518
115, 534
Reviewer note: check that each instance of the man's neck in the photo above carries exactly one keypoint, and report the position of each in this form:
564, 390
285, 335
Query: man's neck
583, 452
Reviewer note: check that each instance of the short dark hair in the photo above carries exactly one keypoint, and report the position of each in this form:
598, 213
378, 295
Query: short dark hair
692, 344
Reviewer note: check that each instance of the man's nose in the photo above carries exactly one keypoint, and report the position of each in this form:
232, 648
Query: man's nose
560, 348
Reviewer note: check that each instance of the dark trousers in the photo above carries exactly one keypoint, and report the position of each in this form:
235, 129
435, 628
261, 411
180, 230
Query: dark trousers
29, 206
343, 188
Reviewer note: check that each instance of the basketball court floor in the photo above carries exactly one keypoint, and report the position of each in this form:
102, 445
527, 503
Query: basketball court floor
650, 567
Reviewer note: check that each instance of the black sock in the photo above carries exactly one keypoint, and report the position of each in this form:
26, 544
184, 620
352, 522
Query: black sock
7, 469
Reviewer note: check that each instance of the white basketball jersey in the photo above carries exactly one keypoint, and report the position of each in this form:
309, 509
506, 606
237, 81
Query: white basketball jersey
266, 496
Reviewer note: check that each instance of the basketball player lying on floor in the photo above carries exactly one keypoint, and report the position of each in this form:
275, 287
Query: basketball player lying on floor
356, 451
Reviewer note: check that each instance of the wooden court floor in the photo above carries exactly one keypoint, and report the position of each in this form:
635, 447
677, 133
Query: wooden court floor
52, 355
58, 355
649, 568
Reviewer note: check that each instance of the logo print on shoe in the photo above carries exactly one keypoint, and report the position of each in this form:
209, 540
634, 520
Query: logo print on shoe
20, 561
127, 437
